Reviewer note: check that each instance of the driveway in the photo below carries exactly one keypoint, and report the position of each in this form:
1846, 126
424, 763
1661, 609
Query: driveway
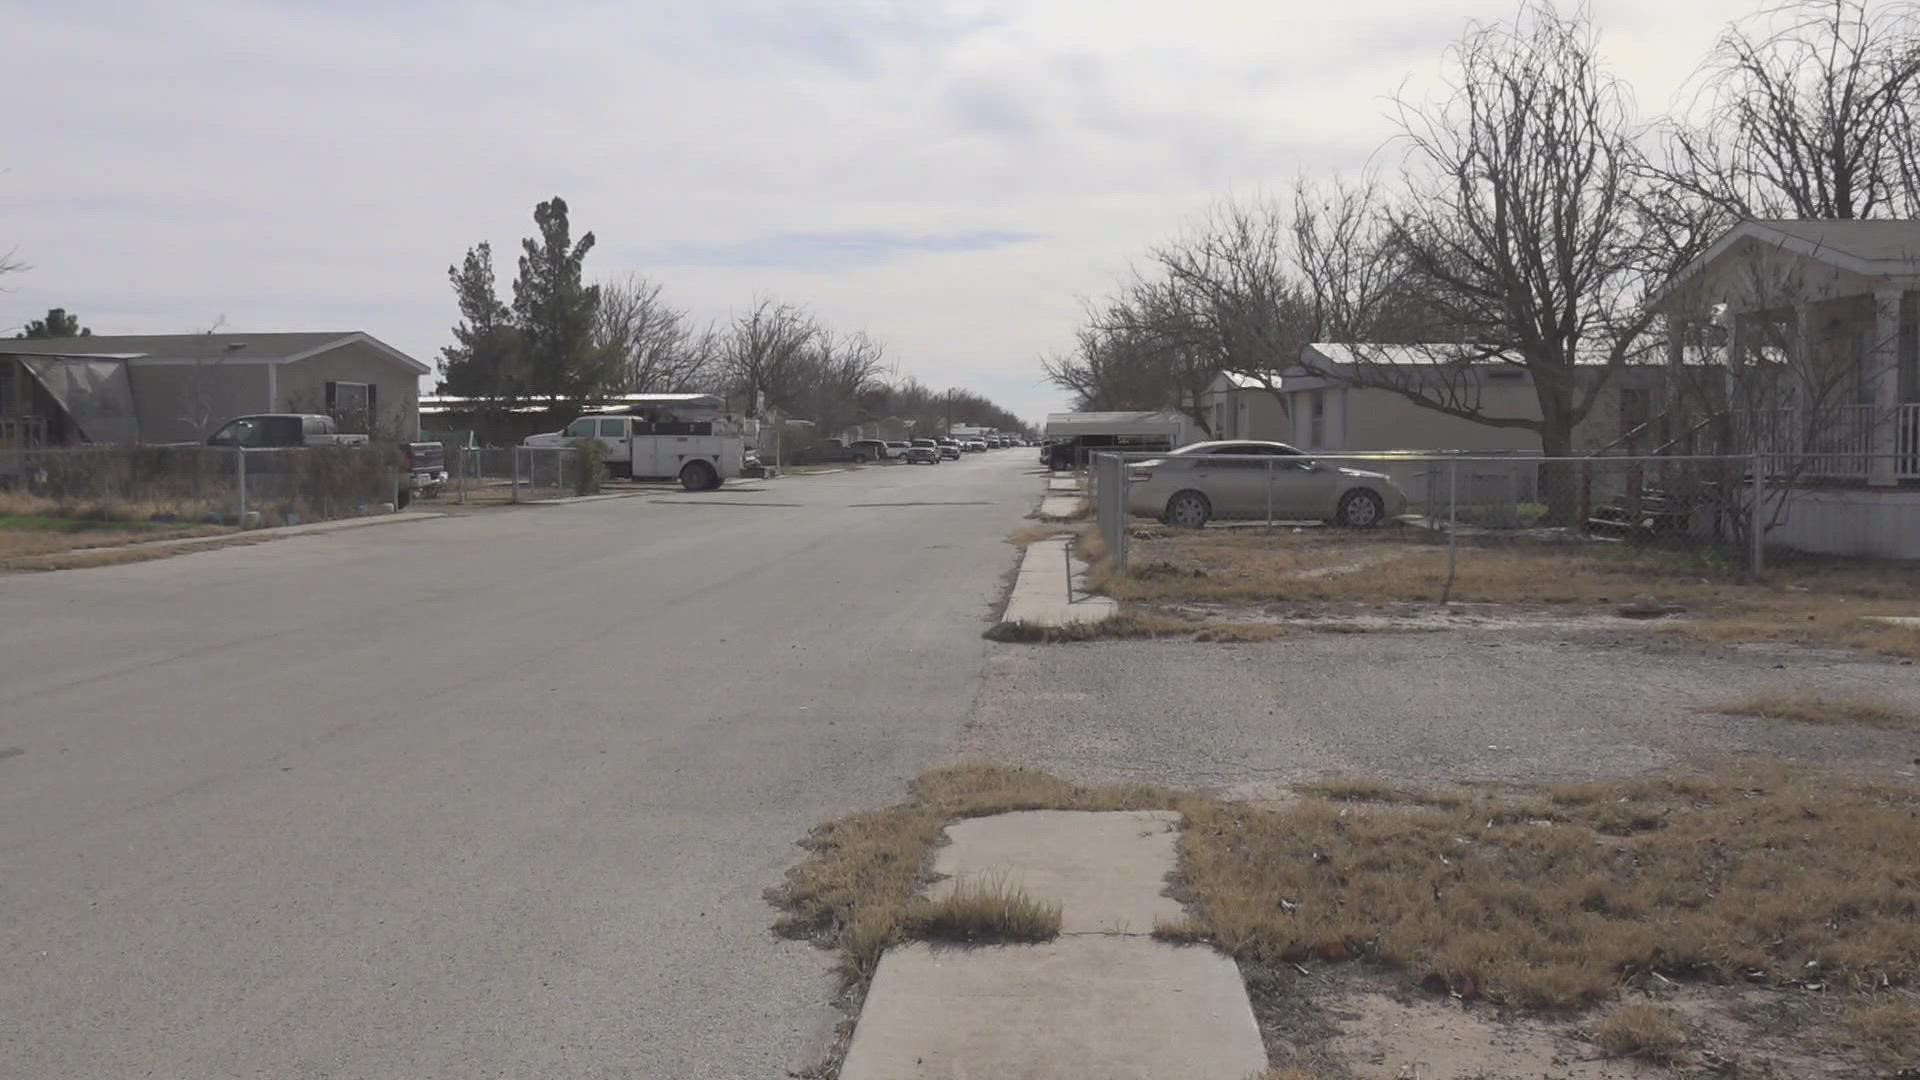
493, 795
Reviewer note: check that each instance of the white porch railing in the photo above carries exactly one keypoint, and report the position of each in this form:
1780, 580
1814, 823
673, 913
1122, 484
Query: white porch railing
1836, 444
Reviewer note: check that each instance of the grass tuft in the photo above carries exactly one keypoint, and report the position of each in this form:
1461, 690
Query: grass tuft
1642, 1031
1810, 708
984, 909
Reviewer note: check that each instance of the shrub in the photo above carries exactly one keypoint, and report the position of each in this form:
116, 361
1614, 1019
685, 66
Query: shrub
590, 466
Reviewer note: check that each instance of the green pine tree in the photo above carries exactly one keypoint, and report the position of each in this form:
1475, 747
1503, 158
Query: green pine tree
484, 359
57, 324
554, 309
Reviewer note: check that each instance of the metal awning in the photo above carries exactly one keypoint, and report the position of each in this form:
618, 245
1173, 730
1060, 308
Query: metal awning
1167, 425
94, 392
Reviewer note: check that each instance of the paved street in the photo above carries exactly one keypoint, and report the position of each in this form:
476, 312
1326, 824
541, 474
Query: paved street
482, 796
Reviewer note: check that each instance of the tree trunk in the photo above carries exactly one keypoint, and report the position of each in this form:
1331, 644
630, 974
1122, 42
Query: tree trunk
1559, 480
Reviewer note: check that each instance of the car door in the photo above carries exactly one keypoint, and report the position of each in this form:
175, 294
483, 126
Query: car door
616, 434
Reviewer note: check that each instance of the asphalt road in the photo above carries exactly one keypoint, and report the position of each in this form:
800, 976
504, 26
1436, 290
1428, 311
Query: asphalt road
484, 796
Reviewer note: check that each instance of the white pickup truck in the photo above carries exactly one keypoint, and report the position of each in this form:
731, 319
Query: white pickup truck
701, 454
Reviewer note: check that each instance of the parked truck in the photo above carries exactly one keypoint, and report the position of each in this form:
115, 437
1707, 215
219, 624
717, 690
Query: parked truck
701, 454
423, 471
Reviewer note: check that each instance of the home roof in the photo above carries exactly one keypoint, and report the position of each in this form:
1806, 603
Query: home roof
1870, 248
280, 347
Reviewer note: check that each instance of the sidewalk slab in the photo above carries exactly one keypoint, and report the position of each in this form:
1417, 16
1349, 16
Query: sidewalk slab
1043, 591
1063, 483
1106, 870
1062, 506
1078, 1008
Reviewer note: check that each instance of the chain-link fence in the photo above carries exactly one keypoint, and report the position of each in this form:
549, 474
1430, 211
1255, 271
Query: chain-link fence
1700, 507
512, 474
226, 485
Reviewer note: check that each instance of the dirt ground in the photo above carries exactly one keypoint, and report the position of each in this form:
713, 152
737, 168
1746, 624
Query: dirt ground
1406, 578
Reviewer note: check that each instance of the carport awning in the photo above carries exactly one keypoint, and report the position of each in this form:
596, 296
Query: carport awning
1084, 424
93, 391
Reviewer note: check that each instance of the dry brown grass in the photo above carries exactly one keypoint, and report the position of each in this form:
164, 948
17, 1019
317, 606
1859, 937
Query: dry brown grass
1551, 900
1810, 708
1378, 791
1887, 1029
981, 910
1803, 602
1643, 1031
858, 885
35, 538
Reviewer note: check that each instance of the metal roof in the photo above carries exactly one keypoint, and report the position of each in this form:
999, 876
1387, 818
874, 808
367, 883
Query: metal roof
275, 347
1067, 425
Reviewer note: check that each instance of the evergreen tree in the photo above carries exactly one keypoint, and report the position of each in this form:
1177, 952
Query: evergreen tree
57, 324
554, 309
484, 359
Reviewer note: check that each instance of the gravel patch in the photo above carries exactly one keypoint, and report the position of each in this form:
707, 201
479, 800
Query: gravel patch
1519, 707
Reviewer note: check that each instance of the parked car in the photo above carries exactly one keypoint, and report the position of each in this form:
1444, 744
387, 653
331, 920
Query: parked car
838, 451
974, 446
923, 452
875, 449
949, 449
1204, 481
424, 463
897, 451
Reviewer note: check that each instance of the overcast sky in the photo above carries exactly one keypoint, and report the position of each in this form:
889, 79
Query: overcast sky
952, 175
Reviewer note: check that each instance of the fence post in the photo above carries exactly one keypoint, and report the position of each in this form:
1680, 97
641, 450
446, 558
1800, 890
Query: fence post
240, 484
1269, 494
1453, 528
516, 473
1755, 528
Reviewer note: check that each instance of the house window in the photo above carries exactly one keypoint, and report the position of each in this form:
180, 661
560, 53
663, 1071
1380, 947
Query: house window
351, 404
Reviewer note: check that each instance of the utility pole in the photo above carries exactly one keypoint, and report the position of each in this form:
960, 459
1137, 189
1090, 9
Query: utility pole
949, 410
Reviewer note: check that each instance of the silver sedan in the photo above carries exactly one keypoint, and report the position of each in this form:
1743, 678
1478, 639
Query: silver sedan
1246, 480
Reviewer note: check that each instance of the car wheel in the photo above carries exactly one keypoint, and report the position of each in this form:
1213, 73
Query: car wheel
699, 476
1188, 510
1361, 509
859, 459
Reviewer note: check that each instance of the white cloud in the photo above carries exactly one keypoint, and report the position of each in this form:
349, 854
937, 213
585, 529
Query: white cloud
319, 164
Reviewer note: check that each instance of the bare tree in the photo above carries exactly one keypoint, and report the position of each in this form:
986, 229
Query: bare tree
833, 378
1806, 110
762, 348
1516, 224
649, 346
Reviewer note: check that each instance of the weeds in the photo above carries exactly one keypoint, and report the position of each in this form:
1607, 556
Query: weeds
1552, 899
1642, 1031
984, 909
1809, 708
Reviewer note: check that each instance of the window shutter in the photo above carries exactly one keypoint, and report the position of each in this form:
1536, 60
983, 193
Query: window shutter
330, 397
373, 408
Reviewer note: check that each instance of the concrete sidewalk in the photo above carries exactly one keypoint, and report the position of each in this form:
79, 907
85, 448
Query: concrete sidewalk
1104, 1001
1045, 593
